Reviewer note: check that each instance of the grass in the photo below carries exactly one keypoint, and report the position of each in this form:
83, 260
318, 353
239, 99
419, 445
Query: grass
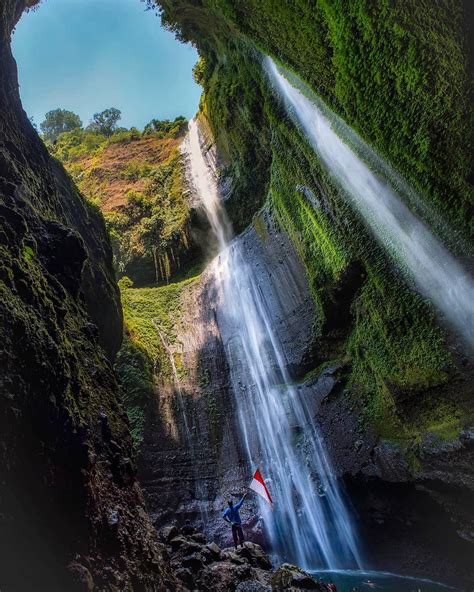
143, 355
143, 306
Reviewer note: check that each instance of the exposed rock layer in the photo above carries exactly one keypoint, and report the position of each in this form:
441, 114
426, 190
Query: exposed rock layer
194, 479
400, 405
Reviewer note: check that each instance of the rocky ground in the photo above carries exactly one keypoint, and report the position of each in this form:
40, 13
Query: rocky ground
202, 565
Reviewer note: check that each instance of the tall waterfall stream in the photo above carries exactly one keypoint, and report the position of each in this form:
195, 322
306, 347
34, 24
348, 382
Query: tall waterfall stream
310, 523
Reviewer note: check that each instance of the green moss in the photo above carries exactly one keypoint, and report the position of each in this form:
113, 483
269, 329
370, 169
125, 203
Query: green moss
151, 311
150, 315
398, 74
315, 372
260, 228
134, 367
397, 351
28, 253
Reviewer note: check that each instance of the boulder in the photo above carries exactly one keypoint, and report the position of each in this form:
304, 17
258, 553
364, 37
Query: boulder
215, 551
208, 555
199, 537
262, 576
229, 554
189, 547
177, 542
184, 575
252, 586
255, 555
83, 576
168, 532
291, 578
194, 562
223, 577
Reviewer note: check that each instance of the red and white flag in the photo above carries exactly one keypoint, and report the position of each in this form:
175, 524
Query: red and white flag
258, 485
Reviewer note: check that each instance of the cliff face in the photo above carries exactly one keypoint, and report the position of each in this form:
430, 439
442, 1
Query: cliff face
136, 180
192, 459
72, 513
192, 456
390, 386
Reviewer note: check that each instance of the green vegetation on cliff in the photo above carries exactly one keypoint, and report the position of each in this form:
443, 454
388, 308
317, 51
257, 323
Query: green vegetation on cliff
397, 72
137, 180
399, 75
149, 318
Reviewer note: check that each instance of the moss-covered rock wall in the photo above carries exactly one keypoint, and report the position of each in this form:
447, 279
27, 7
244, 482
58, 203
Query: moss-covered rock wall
72, 514
399, 73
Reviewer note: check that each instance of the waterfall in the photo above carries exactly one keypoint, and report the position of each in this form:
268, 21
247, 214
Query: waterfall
435, 271
310, 523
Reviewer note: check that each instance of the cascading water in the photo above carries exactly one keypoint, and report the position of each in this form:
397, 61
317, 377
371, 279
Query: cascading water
435, 271
310, 523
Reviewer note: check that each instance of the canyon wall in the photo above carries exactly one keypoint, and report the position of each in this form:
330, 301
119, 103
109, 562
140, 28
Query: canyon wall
192, 458
391, 386
72, 514
388, 383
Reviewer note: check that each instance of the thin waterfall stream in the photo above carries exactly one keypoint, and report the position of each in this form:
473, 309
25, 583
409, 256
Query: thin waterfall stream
310, 523
435, 271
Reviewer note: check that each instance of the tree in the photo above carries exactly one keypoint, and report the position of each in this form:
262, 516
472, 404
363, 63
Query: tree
150, 236
58, 121
199, 71
106, 121
165, 126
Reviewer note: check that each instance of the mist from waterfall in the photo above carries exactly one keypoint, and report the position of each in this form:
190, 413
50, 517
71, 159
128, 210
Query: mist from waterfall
435, 271
310, 523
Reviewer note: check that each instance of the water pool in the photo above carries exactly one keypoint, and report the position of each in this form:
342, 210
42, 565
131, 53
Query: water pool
348, 581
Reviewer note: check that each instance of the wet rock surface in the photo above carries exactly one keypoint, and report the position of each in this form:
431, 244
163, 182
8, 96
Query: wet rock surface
291, 577
441, 482
203, 566
192, 459
281, 278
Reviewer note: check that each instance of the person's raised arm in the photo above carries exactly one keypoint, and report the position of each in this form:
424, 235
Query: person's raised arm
238, 504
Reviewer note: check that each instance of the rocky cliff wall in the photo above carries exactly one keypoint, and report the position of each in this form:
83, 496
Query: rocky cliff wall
419, 504
192, 458
72, 514
389, 385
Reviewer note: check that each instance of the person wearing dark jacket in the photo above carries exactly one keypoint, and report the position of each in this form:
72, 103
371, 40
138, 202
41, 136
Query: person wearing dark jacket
232, 516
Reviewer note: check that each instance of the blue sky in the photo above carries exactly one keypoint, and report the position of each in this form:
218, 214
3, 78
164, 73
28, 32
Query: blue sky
88, 55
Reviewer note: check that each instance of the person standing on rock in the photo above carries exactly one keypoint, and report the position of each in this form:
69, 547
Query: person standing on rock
232, 516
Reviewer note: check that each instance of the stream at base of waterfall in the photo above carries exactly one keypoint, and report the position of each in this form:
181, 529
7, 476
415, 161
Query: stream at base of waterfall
360, 581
